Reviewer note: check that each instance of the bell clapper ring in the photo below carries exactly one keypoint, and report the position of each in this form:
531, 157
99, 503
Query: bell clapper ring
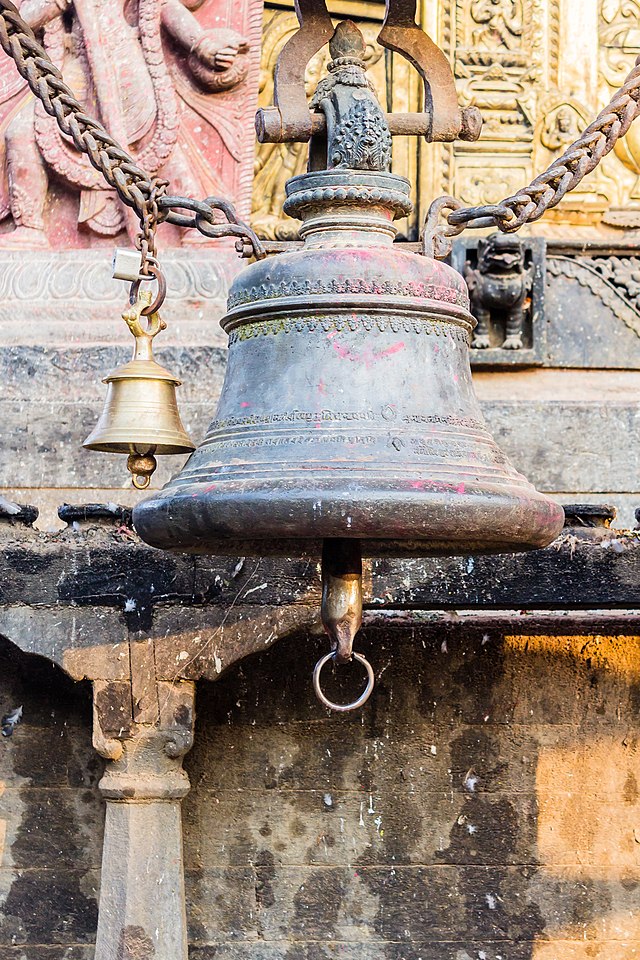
343, 707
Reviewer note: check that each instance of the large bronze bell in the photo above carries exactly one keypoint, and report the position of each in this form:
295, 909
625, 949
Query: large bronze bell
140, 417
348, 413
348, 408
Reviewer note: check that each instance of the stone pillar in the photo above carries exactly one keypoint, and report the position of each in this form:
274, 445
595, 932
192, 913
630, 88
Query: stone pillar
142, 914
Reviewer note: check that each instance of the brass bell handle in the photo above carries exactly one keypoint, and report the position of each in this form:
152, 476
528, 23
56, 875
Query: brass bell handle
343, 707
132, 316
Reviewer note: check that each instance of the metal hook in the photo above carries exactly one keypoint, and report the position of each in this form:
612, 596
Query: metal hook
155, 273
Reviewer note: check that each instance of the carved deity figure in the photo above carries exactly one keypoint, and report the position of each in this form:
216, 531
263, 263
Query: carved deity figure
151, 72
561, 129
498, 287
500, 23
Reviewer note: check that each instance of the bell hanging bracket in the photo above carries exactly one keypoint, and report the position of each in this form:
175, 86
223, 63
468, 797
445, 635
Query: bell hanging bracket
290, 120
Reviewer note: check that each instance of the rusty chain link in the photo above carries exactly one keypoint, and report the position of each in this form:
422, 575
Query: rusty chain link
565, 173
149, 219
135, 187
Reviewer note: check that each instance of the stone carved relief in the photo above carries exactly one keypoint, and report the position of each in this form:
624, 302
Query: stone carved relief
170, 82
499, 64
615, 281
560, 126
497, 24
478, 182
51, 297
561, 119
46, 278
623, 273
621, 287
517, 62
506, 279
487, 30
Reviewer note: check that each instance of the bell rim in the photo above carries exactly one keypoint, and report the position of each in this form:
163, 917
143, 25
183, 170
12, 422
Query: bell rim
128, 447
202, 515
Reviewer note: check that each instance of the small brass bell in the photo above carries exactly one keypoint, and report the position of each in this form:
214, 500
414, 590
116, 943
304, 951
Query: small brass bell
140, 415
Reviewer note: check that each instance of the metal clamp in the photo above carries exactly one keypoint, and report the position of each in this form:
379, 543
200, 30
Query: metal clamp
343, 707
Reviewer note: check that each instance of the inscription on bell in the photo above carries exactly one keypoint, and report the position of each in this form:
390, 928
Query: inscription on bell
294, 416
294, 439
337, 416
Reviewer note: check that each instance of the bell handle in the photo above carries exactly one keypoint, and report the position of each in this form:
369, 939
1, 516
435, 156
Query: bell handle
154, 273
143, 334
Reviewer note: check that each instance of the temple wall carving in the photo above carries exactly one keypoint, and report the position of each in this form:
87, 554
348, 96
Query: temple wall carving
173, 80
539, 80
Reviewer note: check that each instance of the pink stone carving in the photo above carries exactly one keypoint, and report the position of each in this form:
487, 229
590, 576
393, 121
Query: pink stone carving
175, 81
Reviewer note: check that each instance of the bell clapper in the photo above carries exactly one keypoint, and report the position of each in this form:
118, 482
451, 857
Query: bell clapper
342, 612
141, 464
341, 594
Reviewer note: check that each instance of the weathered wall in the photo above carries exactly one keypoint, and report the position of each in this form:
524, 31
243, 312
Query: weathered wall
485, 805
50, 814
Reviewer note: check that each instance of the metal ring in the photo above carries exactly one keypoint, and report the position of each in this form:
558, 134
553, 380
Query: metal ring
343, 707
140, 482
156, 274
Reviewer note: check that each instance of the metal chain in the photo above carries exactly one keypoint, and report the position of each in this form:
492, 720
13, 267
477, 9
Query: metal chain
146, 239
565, 173
136, 188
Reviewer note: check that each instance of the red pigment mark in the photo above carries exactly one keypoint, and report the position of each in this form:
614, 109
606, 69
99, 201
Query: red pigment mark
245, 404
455, 378
368, 357
322, 387
394, 348
438, 485
344, 353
